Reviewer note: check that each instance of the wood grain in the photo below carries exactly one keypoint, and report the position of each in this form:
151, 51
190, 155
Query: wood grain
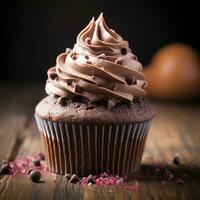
175, 130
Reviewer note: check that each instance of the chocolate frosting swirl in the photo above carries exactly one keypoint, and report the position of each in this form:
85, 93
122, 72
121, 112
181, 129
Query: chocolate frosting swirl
101, 66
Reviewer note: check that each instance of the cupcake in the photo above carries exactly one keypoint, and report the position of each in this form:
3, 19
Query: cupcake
95, 118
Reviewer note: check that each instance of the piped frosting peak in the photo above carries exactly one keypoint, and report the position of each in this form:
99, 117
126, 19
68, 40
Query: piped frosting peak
101, 66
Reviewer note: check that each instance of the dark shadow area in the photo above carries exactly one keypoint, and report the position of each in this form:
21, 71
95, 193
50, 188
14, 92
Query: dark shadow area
159, 172
35, 32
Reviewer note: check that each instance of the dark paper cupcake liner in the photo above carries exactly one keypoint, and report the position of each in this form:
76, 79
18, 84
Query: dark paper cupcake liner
93, 149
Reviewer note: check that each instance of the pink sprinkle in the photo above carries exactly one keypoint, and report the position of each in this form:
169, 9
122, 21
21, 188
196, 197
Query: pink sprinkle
21, 165
112, 181
104, 179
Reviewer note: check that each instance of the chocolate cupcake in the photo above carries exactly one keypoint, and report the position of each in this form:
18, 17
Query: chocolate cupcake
95, 118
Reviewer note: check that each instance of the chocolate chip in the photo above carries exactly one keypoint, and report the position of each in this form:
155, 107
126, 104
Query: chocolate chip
62, 101
87, 57
36, 162
77, 88
52, 75
111, 104
55, 96
119, 61
179, 181
5, 168
123, 51
130, 80
117, 177
90, 179
74, 179
88, 40
30, 170
176, 160
34, 175
88, 62
41, 156
104, 175
6, 163
68, 176
90, 107
74, 57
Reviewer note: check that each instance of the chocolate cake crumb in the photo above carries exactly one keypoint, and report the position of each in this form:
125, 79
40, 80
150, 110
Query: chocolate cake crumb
176, 160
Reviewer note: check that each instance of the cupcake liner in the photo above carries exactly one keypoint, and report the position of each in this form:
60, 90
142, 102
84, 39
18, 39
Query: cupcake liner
93, 149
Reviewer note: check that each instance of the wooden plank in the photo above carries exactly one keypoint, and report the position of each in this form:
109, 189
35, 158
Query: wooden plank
171, 134
174, 130
16, 107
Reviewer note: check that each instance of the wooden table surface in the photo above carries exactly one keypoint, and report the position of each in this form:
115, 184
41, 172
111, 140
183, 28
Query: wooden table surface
175, 130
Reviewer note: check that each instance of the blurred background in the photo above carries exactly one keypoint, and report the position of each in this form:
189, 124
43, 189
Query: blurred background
35, 32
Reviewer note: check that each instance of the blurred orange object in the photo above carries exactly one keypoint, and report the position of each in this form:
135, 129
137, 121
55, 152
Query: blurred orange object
174, 73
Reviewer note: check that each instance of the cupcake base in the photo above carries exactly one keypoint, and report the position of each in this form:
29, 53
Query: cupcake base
93, 149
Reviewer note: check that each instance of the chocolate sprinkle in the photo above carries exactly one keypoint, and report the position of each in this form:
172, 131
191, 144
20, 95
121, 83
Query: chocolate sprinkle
62, 101
87, 57
123, 51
